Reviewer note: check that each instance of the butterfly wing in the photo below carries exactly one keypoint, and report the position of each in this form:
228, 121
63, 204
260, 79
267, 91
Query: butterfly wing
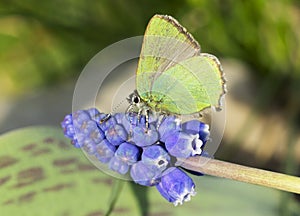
165, 44
190, 86
172, 75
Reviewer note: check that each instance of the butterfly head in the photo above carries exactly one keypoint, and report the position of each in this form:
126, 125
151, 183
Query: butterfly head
137, 105
134, 98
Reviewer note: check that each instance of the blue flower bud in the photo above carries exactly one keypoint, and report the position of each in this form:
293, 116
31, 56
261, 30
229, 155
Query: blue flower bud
123, 119
97, 135
116, 134
105, 151
197, 127
136, 120
79, 139
119, 117
152, 119
75, 143
204, 132
118, 165
68, 120
80, 118
94, 113
87, 127
67, 125
109, 141
96, 116
89, 146
128, 153
144, 137
176, 186
169, 126
111, 121
183, 145
145, 174
157, 156
70, 131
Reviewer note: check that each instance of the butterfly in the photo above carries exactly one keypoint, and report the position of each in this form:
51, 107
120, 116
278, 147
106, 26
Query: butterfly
172, 75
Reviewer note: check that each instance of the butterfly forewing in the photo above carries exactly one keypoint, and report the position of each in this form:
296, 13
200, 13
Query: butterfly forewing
165, 44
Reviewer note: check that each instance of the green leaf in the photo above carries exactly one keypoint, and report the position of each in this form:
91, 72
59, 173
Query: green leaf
42, 174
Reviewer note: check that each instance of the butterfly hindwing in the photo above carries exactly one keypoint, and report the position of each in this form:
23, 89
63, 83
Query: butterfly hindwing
190, 86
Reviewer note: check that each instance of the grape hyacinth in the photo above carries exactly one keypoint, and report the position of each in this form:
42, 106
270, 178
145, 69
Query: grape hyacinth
126, 145
176, 186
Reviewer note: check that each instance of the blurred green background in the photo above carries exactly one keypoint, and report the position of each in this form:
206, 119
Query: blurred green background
44, 45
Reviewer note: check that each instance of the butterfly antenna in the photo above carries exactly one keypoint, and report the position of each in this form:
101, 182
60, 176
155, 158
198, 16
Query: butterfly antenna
118, 106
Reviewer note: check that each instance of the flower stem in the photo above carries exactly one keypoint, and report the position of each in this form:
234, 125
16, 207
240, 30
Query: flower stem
242, 173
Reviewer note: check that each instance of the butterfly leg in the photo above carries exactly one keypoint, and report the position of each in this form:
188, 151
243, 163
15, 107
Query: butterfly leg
139, 114
129, 109
128, 112
147, 120
161, 118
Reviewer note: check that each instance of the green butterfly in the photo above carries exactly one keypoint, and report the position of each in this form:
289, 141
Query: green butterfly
173, 76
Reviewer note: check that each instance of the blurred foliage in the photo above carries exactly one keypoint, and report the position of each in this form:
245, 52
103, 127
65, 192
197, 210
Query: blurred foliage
45, 42
262, 33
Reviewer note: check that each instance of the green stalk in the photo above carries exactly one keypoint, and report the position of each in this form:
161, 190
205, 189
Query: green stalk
242, 173
116, 191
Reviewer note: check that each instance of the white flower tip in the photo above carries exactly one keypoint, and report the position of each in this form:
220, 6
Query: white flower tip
175, 203
197, 145
177, 121
185, 197
206, 128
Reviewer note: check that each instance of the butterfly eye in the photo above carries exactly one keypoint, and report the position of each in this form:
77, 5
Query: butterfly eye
135, 99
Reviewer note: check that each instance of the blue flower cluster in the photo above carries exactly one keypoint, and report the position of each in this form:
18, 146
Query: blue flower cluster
126, 145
